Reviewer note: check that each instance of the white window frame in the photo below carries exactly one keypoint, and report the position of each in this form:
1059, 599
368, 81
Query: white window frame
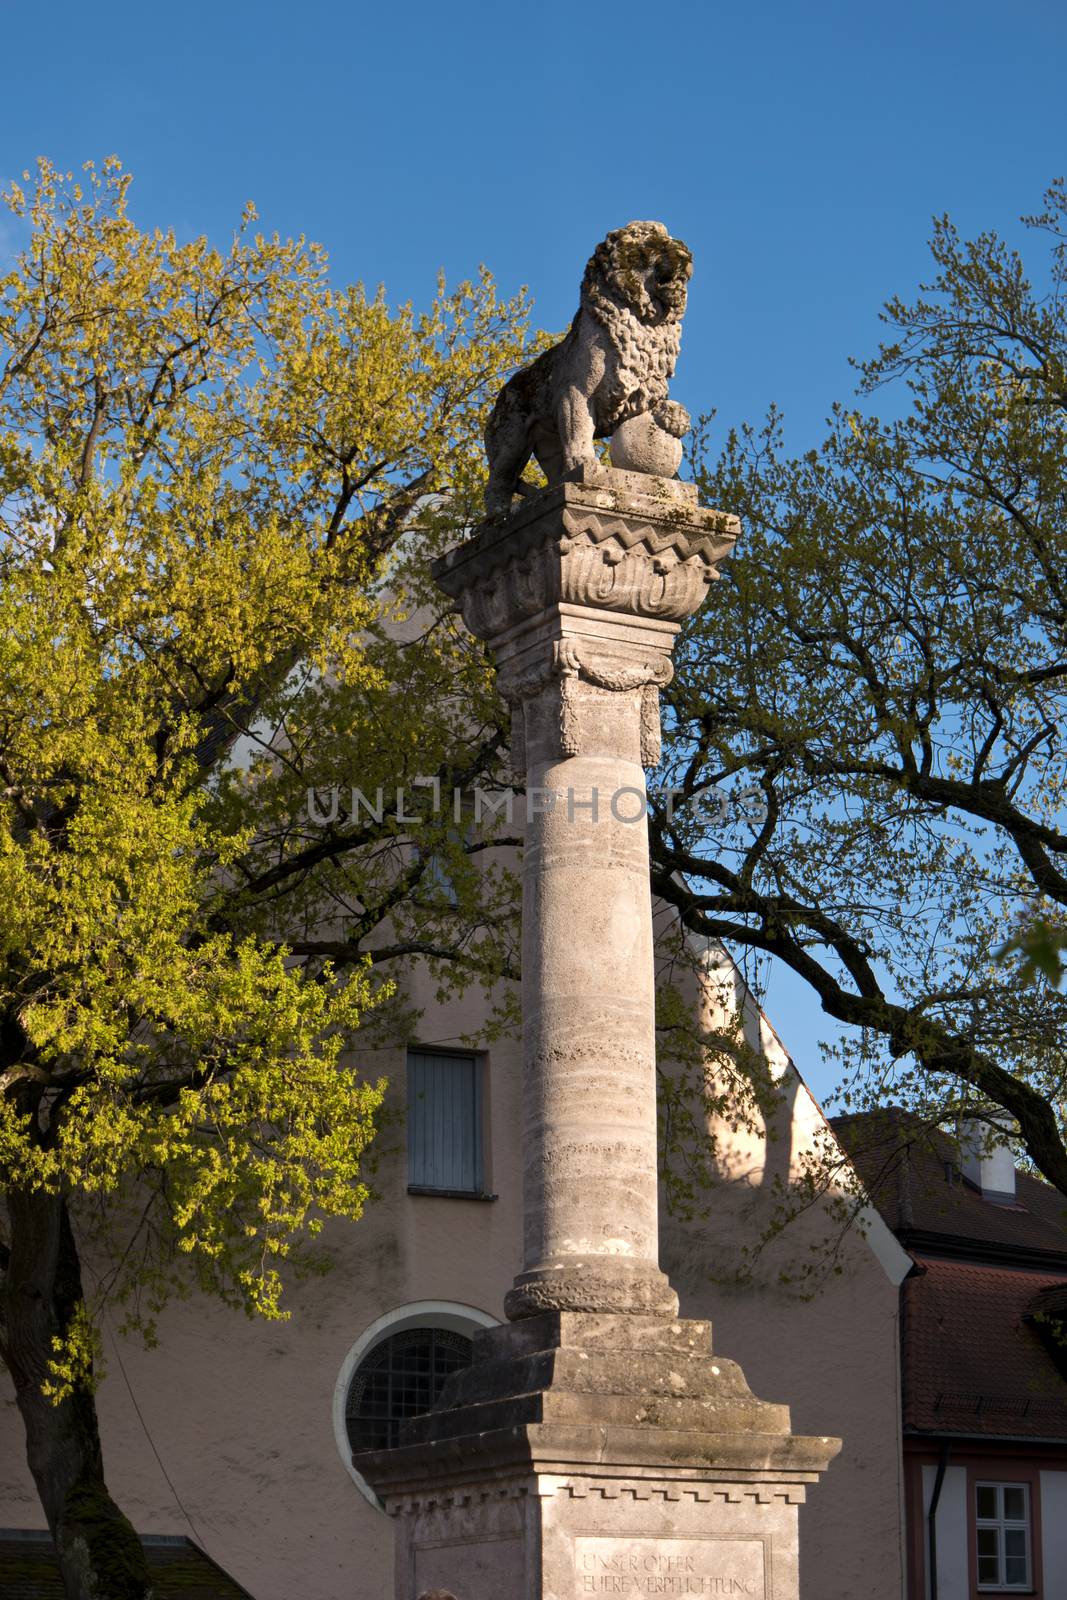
450, 1314
1002, 1524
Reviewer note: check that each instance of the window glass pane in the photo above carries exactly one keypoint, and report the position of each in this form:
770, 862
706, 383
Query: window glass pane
987, 1501
1003, 1535
987, 1569
988, 1542
401, 1376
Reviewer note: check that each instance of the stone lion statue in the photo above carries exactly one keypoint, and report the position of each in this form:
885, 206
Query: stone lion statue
614, 363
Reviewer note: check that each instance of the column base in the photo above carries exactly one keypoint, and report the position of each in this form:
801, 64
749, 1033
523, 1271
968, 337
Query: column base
608, 1285
593, 1456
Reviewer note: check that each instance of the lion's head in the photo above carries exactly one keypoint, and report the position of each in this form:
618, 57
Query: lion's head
642, 268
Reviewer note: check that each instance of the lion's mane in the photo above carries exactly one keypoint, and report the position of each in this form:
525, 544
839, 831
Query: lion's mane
613, 291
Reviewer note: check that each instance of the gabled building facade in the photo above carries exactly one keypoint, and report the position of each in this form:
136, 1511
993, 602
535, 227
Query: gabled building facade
983, 1358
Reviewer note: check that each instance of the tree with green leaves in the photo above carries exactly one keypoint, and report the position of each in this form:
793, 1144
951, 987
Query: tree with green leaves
885, 668
220, 482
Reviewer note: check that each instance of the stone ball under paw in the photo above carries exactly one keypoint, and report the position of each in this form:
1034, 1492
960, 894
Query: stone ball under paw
640, 445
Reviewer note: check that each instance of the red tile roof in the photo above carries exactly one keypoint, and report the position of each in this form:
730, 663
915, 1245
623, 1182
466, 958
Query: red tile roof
911, 1173
1052, 1303
975, 1362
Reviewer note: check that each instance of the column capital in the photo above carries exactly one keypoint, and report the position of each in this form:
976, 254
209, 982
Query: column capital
625, 544
581, 593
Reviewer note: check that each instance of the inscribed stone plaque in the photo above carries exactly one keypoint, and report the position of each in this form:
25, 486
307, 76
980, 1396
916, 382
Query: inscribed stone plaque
713, 1567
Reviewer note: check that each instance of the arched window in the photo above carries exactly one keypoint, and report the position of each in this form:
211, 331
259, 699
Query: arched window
397, 1368
402, 1376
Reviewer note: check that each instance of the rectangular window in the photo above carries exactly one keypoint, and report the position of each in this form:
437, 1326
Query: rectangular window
1002, 1529
445, 1123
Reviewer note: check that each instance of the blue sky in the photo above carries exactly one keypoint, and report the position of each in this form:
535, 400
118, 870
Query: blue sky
800, 149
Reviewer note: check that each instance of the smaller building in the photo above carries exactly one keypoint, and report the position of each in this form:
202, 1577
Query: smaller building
178, 1568
984, 1359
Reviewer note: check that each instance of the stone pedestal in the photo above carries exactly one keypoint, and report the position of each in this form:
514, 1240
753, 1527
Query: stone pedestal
587, 1454
596, 1446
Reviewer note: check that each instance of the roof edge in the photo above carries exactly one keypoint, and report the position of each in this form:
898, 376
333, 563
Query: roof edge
887, 1250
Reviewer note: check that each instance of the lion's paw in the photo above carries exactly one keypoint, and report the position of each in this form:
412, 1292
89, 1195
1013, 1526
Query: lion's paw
672, 417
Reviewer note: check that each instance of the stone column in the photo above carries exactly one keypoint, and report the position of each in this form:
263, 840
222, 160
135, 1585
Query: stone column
589, 1126
581, 595
596, 1445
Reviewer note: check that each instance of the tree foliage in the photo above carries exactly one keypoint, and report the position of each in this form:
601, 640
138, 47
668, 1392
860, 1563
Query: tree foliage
213, 468
886, 662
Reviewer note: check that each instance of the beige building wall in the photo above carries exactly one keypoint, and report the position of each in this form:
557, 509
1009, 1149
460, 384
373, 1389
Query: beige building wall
829, 1347
226, 1432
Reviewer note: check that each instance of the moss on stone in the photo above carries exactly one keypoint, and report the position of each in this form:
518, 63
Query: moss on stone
116, 1555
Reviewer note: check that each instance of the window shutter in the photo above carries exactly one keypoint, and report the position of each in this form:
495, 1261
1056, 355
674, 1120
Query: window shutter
445, 1122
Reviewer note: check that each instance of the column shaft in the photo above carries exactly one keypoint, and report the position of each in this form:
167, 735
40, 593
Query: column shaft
589, 1123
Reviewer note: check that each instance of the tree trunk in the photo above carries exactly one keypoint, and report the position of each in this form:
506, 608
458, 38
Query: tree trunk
99, 1554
